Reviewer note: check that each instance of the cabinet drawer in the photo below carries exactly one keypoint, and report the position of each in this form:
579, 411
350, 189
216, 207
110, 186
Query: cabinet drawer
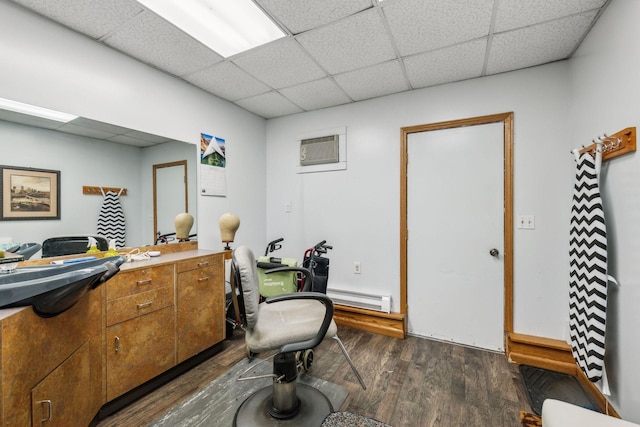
139, 350
136, 281
200, 262
126, 308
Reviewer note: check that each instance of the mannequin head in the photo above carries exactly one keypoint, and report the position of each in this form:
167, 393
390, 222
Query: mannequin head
229, 223
183, 223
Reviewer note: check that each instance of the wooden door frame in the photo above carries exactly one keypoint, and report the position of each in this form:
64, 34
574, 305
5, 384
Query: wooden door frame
507, 120
155, 192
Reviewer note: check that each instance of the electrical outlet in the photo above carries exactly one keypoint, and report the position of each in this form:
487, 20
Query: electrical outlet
527, 222
356, 267
287, 207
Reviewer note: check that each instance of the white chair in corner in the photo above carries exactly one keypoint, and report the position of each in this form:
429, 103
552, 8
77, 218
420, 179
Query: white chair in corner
556, 413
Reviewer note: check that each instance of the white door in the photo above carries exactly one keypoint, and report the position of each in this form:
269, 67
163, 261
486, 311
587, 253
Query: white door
170, 196
455, 216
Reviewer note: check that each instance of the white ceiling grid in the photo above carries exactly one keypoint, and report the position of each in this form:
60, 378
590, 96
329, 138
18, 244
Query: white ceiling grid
342, 51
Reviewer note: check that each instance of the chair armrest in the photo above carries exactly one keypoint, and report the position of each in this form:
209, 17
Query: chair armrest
326, 322
305, 271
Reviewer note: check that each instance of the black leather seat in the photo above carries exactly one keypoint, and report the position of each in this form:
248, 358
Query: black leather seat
71, 245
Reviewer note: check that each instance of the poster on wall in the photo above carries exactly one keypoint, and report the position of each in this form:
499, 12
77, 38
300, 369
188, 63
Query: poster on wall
29, 194
213, 161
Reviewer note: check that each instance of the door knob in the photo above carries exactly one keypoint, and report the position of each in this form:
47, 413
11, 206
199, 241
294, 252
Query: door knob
494, 252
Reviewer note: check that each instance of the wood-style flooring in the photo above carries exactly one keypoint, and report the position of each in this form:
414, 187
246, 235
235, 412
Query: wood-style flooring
411, 382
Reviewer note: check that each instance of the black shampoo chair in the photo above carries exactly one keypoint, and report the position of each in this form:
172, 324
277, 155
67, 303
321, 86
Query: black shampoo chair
290, 323
71, 245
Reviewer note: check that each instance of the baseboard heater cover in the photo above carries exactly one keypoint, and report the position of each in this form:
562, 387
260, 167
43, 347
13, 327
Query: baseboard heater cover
381, 303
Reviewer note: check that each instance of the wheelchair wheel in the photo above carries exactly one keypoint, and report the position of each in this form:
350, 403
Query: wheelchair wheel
307, 361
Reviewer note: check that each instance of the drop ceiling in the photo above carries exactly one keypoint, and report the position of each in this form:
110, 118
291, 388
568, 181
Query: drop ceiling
342, 51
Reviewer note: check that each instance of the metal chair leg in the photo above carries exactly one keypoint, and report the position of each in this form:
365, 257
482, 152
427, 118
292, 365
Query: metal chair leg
346, 356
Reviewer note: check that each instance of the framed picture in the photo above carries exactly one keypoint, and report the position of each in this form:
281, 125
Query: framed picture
29, 193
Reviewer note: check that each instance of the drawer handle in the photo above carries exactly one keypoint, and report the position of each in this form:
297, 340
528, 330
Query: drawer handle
145, 304
143, 282
203, 279
50, 412
203, 263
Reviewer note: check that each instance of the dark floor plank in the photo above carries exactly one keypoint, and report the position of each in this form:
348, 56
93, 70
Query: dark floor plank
411, 382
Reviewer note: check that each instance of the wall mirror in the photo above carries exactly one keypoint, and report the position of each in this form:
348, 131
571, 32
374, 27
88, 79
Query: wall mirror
92, 153
170, 196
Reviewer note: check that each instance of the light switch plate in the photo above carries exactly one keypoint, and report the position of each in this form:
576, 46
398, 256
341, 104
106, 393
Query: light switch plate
526, 222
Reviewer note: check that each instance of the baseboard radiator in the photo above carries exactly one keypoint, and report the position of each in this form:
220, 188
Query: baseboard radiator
381, 303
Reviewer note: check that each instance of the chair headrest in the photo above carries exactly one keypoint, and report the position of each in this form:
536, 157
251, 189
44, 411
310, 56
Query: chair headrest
245, 263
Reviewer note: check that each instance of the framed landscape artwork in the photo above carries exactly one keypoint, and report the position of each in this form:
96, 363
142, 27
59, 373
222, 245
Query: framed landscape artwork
29, 194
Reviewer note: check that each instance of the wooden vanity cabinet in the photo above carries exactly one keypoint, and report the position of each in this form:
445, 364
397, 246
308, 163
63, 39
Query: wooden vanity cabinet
140, 324
57, 360
200, 304
140, 327
61, 399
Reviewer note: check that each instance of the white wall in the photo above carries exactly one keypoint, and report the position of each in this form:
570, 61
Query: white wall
357, 210
48, 65
605, 93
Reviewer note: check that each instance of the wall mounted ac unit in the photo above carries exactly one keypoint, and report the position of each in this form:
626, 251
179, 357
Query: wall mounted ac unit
319, 151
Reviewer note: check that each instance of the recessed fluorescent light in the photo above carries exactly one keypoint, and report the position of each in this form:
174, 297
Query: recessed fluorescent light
32, 110
226, 26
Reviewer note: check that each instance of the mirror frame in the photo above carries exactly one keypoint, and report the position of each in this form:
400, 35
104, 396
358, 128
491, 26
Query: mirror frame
155, 191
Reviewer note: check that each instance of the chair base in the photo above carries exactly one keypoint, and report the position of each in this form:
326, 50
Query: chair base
254, 411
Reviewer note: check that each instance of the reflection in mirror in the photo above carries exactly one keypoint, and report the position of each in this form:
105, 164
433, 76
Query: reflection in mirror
90, 153
170, 196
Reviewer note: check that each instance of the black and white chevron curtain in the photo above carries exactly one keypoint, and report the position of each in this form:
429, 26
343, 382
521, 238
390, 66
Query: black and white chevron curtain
111, 223
588, 271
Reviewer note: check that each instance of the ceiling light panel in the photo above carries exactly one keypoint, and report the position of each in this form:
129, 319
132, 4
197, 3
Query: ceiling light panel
227, 27
32, 110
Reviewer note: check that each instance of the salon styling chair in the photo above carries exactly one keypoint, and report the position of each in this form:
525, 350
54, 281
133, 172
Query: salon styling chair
290, 323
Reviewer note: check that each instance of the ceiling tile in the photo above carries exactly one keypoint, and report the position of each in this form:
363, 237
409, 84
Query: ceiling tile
280, 64
29, 120
377, 80
538, 44
317, 94
461, 62
149, 137
520, 13
94, 124
96, 18
355, 42
269, 105
227, 81
302, 15
152, 40
128, 140
85, 131
419, 26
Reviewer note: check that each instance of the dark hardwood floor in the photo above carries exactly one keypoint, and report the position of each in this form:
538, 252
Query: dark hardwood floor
411, 382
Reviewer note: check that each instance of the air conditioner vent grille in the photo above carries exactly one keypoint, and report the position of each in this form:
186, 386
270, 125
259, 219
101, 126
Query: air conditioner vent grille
320, 150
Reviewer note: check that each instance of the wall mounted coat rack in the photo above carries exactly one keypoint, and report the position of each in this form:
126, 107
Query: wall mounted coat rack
96, 190
615, 145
